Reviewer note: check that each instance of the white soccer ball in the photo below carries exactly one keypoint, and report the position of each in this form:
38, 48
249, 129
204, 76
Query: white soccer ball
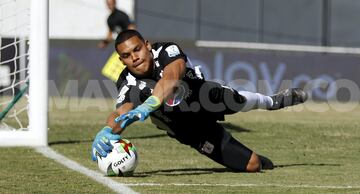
121, 161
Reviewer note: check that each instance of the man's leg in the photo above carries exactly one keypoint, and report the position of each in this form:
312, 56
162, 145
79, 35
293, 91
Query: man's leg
255, 101
288, 97
221, 147
244, 101
285, 98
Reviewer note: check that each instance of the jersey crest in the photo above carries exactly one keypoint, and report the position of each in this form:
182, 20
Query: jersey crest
177, 97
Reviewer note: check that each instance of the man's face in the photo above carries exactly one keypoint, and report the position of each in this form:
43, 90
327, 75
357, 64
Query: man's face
136, 55
111, 4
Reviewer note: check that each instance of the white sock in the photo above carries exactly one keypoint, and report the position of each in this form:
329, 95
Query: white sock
255, 101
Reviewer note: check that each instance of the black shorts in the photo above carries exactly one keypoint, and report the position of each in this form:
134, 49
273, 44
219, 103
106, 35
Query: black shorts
201, 131
216, 143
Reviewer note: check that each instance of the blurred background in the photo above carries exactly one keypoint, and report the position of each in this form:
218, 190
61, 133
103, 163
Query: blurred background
76, 27
314, 22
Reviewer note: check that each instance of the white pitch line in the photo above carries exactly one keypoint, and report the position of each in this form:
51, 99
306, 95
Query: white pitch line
277, 47
241, 185
98, 177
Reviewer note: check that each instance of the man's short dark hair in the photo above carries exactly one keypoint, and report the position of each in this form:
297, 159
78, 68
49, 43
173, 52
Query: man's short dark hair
125, 35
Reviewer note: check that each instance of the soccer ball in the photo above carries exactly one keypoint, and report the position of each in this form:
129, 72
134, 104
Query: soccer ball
121, 161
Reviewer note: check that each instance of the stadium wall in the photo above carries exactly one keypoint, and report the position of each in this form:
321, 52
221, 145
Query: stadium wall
75, 70
320, 22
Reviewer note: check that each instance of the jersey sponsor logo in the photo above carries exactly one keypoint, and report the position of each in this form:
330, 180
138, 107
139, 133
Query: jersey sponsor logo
177, 97
172, 51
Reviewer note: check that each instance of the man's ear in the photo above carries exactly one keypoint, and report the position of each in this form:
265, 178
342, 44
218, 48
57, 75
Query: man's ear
148, 45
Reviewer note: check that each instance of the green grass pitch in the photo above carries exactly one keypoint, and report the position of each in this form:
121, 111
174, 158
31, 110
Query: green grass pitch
315, 152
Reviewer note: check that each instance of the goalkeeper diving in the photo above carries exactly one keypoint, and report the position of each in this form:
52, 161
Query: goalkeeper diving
160, 82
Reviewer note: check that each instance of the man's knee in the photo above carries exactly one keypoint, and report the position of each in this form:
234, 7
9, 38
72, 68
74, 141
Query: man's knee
254, 164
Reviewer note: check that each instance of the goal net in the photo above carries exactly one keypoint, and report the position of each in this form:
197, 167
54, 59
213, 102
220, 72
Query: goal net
23, 72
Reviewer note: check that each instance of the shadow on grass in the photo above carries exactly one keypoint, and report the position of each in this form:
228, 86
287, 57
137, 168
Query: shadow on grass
304, 164
182, 171
200, 171
91, 140
226, 125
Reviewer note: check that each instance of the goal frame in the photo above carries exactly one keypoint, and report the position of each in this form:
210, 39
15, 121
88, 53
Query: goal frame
36, 135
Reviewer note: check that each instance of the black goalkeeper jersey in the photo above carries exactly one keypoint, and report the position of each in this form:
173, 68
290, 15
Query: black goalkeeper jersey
184, 105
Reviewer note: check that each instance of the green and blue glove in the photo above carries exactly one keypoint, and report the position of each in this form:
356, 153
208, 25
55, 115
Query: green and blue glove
141, 112
101, 144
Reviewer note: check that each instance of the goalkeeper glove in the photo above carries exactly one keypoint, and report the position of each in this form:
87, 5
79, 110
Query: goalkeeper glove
101, 144
141, 112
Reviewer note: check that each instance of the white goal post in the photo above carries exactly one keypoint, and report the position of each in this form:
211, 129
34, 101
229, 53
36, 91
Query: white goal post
35, 133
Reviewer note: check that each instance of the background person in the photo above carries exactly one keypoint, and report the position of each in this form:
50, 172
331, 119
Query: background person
117, 21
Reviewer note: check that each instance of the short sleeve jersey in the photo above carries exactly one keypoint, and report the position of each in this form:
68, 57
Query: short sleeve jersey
137, 90
118, 21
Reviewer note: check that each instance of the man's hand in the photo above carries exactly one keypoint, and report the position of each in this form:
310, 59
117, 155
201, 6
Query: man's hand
141, 112
101, 144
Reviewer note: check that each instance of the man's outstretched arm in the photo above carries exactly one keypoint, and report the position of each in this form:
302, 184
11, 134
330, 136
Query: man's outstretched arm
101, 144
173, 72
167, 84
102, 44
126, 107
